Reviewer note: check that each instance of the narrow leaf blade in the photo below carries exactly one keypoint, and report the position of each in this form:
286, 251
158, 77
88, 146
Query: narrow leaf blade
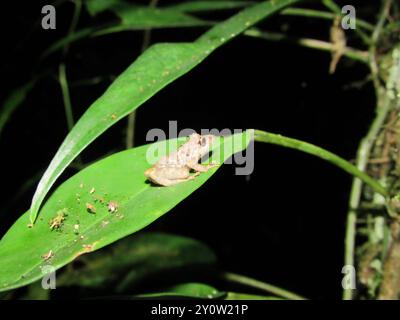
13, 101
157, 67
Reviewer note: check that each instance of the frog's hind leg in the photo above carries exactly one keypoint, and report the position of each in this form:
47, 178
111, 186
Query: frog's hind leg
201, 167
168, 182
172, 177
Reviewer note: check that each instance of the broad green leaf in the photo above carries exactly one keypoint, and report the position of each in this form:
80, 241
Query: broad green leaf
135, 17
186, 290
96, 6
132, 17
15, 99
149, 17
138, 18
158, 66
198, 6
166, 21
135, 259
86, 203
246, 296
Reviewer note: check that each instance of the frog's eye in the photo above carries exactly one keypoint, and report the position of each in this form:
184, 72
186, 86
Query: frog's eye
203, 141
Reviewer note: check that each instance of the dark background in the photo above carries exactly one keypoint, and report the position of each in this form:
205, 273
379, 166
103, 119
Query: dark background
285, 223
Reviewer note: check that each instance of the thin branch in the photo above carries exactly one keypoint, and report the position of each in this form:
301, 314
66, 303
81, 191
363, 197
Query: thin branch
237, 278
356, 189
62, 78
319, 152
308, 43
310, 13
130, 129
331, 5
364, 150
74, 22
374, 42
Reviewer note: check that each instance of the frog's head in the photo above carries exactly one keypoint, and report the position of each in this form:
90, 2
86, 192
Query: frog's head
205, 142
198, 146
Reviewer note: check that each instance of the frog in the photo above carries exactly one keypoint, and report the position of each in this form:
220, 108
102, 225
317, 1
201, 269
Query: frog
177, 166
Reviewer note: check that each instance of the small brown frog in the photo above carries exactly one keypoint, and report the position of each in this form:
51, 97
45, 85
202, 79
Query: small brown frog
175, 167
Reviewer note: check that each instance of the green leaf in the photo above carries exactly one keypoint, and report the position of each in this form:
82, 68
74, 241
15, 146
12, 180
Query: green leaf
135, 17
66, 227
158, 66
246, 296
150, 17
139, 18
14, 100
267, 137
144, 17
186, 290
137, 258
198, 6
96, 6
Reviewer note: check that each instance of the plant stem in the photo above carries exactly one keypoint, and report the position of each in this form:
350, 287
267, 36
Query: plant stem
130, 129
74, 22
237, 278
364, 151
331, 5
382, 17
363, 156
308, 43
372, 50
62, 78
306, 147
310, 13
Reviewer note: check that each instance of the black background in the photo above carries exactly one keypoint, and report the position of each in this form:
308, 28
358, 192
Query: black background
285, 223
